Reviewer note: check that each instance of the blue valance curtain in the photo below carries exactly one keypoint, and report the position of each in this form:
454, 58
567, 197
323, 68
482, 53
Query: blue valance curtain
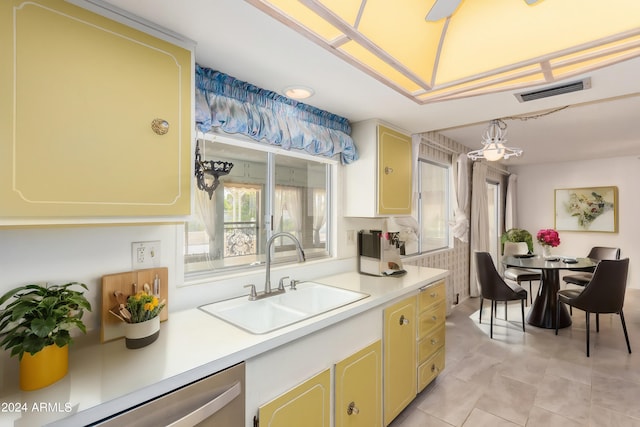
239, 107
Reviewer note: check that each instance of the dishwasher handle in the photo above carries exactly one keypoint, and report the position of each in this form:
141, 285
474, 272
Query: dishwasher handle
209, 408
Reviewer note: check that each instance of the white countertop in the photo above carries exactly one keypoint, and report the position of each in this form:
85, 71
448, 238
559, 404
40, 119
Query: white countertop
107, 378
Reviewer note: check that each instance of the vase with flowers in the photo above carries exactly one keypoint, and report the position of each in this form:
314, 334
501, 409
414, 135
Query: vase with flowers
142, 319
548, 238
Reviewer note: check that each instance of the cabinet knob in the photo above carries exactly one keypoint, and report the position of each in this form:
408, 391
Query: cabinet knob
403, 320
352, 409
160, 126
433, 294
388, 170
434, 368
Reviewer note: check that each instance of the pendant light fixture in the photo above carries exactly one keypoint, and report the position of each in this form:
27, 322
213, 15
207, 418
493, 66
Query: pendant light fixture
493, 144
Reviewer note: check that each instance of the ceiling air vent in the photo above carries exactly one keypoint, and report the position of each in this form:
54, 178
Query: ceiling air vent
554, 90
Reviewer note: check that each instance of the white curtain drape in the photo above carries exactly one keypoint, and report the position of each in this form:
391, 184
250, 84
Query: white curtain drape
510, 212
479, 222
319, 212
277, 212
208, 213
460, 187
288, 199
295, 210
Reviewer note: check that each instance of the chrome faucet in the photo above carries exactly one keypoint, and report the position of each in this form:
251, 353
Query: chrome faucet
301, 258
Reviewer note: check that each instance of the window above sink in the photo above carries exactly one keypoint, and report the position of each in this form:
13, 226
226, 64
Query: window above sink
267, 190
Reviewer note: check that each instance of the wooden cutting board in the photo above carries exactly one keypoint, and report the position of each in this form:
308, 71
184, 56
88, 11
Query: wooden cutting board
111, 327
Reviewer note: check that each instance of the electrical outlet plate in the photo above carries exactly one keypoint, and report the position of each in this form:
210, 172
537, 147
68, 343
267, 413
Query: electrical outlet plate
351, 237
145, 254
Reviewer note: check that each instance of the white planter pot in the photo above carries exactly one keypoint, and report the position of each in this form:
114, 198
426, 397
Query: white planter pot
141, 334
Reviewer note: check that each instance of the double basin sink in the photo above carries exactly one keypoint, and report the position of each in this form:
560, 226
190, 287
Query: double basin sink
261, 316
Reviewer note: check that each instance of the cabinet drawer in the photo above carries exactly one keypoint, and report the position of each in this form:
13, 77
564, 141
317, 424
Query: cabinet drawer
431, 295
431, 319
430, 369
429, 344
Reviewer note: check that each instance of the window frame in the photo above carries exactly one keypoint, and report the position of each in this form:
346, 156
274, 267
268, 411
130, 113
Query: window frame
448, 208
272, 153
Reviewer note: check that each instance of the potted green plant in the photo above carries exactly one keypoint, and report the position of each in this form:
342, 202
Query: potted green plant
35, 325
517, 235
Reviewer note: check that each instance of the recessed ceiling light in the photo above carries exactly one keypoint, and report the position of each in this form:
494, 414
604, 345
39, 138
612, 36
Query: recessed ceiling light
298, 92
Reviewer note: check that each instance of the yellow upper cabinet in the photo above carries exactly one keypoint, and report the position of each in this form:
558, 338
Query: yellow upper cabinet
379, 182
394, 172
82, 92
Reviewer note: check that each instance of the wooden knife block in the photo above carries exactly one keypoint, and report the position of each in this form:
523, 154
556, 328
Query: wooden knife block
111, 327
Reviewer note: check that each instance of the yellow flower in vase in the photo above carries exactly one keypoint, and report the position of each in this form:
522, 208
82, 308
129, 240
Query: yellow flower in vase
143, 327
143, 306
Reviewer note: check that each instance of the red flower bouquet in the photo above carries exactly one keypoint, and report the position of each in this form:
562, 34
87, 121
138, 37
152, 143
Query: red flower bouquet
548, 237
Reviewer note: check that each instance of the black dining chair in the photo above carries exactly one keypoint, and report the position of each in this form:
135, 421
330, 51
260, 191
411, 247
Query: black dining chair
582, 277
597, 253
520, 275
603, 294
495, 288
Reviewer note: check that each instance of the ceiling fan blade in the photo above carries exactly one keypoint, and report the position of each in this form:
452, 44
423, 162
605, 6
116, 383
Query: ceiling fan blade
531, 1
442, 9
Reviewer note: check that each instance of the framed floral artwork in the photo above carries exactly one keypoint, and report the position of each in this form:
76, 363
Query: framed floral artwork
587, 209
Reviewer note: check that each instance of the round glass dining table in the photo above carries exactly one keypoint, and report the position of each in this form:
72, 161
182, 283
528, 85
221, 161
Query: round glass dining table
543, 310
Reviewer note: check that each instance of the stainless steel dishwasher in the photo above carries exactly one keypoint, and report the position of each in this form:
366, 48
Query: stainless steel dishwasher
217, 400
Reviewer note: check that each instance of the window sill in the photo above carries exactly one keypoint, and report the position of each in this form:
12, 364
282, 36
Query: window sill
257, 273
416, 257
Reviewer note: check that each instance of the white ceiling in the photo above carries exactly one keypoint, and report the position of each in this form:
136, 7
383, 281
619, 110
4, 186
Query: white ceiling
238, 39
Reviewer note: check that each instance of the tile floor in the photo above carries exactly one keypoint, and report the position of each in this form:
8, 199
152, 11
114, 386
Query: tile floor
533, 378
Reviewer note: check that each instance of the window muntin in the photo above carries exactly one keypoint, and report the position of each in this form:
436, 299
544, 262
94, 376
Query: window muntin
434, 207
263, 194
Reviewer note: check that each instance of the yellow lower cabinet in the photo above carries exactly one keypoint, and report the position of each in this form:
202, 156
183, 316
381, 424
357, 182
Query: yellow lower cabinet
430, 369
432, 318
308, 405
358, 395
429, 344
431, 332
400, 382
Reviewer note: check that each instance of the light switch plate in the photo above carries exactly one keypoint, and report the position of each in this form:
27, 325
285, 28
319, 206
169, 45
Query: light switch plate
145, 254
